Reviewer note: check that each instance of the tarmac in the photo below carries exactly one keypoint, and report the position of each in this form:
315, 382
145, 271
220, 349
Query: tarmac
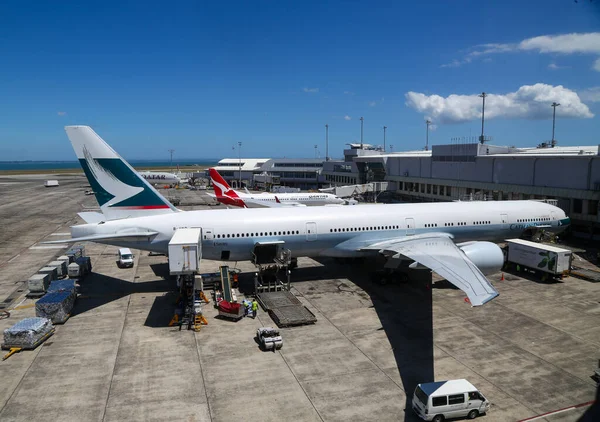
530, 351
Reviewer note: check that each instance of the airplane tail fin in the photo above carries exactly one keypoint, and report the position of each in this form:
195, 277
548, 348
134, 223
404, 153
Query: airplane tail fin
220, 185
120, 191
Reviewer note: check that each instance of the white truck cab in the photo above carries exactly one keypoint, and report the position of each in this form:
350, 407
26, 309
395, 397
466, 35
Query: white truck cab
437, 401
125, 258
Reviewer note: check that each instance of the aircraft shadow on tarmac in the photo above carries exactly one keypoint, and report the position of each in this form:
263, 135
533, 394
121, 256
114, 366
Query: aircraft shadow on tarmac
97, 290
406, 315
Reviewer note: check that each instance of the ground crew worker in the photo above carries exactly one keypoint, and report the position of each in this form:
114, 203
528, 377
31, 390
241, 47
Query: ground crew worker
254, 308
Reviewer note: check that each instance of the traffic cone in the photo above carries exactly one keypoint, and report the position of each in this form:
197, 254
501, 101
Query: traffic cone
502, 278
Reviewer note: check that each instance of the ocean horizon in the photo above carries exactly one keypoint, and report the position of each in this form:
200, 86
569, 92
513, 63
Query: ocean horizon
68, 165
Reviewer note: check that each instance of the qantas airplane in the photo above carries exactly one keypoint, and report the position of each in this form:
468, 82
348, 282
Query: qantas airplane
228, 196
454, 239
160, 178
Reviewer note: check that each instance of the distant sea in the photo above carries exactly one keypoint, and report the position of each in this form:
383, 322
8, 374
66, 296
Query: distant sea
65, 165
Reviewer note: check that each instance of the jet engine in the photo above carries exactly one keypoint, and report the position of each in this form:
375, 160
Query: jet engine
487, 256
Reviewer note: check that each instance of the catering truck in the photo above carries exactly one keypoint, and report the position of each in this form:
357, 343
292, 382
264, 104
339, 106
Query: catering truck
544, 260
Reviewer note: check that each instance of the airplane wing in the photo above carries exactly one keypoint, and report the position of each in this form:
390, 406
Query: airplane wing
439, 253
112, 236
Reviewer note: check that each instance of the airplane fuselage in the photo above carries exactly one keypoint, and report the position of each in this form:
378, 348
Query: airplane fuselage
334, 231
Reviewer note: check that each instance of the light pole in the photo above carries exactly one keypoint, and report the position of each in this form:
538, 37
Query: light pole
361, 132
326, 142
554, 105
171, 151
427, 122
482, 95
315, 151
384, 128
391, 148
240, 165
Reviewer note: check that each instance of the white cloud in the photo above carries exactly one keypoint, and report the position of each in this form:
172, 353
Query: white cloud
346, 117
62, 113
566, 44
554, 66
575, 43
311, 90
348, 93
372, 103
528, 102
591, 95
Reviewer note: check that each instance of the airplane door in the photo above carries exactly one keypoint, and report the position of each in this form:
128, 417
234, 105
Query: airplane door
410, 226
504, 218
553, 215
207, 234
311, 231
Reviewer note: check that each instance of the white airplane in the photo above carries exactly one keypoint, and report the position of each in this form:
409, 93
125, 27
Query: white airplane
450, 238
160, 177
228, 196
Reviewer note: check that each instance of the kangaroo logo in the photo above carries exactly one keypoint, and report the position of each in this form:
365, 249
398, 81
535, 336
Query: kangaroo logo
109, 182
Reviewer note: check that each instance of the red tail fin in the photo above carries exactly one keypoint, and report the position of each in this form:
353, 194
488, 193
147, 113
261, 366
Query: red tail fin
220, 186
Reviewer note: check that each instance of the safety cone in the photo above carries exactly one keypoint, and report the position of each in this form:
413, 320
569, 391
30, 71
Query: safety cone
502, 278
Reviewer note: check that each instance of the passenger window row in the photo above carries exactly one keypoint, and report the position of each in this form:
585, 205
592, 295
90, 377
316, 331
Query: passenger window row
361, 229
431, 225
478, 223
258, 234
529, 220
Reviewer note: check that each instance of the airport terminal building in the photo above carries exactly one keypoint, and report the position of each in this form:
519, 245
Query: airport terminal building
483, 172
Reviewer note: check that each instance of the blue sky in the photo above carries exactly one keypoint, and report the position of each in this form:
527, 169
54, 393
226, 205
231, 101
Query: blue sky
199, 77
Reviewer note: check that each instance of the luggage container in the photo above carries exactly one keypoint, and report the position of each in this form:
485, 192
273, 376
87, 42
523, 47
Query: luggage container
61, 268
64, 285
56, 306
38, 283
86, 262
67, 259
78, 270
52, 271
51, 183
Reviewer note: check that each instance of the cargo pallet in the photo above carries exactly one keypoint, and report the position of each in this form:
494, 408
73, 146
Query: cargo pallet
285, 309
16, 349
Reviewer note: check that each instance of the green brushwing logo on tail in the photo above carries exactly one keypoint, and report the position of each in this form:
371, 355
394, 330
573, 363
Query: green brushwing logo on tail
117, 186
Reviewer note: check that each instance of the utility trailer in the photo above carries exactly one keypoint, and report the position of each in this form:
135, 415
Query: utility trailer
541, 259
269, 338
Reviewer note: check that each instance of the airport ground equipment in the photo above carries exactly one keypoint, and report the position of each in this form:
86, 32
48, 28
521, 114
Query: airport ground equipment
231, 310
65, 258
56, 306
61, 268
185, 252
26, 334
285, 309
586, 274
51, 271
546, 260
64, 285
80, 268
38, 284
51, 183
269, 338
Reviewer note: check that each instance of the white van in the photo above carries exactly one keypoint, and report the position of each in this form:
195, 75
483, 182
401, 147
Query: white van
436, 401
125, 258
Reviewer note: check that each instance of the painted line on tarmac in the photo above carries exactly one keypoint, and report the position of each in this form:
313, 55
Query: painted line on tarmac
60, 234
49, 247
555, 412
14, 257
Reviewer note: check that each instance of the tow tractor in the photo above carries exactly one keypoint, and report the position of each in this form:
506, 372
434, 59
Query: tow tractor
269, 338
